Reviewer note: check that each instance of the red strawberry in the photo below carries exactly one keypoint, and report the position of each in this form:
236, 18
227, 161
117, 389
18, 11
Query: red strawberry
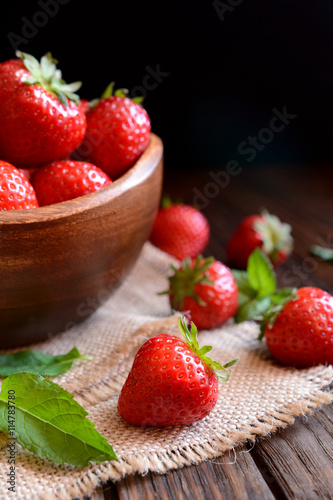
171, 382
205, 290
301, 333
180, 230
16, 192
118, 132
40, 120
66, 179
264, 231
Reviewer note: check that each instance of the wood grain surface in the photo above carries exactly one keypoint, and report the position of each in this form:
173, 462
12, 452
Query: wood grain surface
297, 462
54, 258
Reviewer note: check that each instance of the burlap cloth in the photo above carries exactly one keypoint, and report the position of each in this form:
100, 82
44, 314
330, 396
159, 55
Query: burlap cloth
259, 398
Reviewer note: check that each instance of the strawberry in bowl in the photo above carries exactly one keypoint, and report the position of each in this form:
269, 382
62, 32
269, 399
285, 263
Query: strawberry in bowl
16, 192
66, 179
40, 116
118, 132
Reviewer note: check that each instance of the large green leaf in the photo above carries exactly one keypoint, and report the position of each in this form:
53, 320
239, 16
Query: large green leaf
261, 274
253, 309
38, 362
49, 422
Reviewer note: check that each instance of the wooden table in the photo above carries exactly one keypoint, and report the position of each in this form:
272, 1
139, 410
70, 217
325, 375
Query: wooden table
295, 463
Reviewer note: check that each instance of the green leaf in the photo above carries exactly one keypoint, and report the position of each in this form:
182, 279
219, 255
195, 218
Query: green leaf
253, 309
278, 300
255, 287
245, 292
282, 295
38, 362
241, 278
50, 423
261, 273
244, 298
324, 253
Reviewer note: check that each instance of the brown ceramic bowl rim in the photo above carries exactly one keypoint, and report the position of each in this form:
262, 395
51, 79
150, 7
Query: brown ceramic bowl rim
137, 173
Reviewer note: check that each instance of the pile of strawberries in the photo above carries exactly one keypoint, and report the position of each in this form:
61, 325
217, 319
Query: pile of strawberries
173, 381
55, 147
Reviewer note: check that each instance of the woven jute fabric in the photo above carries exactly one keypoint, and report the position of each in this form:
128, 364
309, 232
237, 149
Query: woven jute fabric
260, 397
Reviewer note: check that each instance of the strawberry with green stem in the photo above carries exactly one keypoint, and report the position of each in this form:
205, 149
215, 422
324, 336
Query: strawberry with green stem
297, 324
172, 381
118, 132
40, 116
264, 231
299, 331
205, 290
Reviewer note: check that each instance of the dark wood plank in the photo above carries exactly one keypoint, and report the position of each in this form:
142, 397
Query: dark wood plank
325, 418
299, 459
224, 478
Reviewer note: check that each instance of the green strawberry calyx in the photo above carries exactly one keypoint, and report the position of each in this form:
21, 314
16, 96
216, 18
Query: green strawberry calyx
46, 74
182, 283
168, 202
191, 339
276, 235
109, 91
277, 302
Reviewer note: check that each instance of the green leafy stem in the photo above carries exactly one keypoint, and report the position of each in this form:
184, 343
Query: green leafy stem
259, 298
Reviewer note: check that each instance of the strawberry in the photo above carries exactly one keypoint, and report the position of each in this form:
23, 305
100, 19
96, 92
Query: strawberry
205, 290
66, 179
40, 119
180, 230
264, 231
118, 132
16, 192
171, 381
300, 332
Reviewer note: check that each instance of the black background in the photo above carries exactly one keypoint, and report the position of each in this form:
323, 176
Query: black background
221, 74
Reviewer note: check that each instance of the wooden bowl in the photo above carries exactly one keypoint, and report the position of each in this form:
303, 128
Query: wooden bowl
59, 263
